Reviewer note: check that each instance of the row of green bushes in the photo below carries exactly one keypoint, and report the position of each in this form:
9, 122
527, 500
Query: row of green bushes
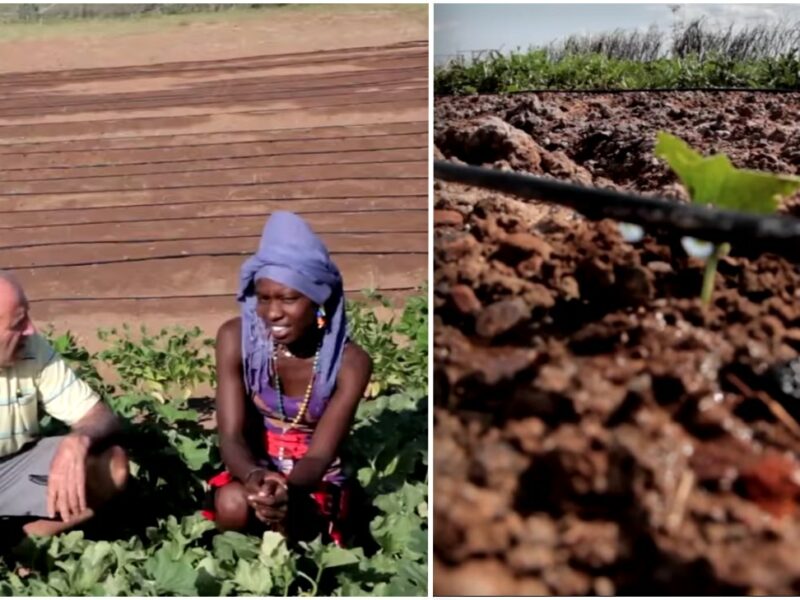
535, 70
693, 56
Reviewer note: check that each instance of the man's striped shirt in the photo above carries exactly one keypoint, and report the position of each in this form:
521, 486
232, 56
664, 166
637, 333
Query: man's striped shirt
39, 379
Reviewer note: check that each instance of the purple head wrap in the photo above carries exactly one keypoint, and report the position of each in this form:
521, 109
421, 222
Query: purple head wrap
291, 254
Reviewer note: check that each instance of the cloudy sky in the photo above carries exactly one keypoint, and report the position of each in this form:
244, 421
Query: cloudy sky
467, 27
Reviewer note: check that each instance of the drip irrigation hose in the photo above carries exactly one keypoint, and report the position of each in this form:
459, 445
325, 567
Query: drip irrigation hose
747, 233
601, 91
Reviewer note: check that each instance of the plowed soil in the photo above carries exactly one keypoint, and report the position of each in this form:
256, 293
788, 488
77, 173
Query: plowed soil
597, 430
138, 170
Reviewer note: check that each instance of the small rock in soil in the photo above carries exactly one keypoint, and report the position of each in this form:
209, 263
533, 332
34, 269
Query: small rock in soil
448, 217
465, 300
501, 317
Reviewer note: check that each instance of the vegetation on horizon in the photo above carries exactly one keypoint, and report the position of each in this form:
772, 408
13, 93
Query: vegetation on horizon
693, 56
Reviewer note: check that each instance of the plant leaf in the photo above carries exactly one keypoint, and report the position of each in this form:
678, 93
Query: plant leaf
714, 180
334, 556
171, 576
253, 577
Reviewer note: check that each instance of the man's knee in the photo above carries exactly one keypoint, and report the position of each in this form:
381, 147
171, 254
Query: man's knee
230, 504
107, 474
119, 467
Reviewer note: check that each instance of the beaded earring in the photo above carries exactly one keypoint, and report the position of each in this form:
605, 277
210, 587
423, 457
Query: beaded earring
321, 317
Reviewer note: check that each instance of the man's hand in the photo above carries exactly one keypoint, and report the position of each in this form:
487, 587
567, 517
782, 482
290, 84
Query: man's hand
267, 495
66, 486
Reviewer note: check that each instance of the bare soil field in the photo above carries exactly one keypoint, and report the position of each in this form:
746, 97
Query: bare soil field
138, 168
597, 430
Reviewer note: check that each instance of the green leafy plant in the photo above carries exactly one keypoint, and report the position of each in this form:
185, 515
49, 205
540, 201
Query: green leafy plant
398, 347
168, 365
80, 360
713, 180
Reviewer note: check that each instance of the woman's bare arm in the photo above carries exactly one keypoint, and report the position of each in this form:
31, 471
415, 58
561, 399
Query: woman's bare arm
337, 419
231, 399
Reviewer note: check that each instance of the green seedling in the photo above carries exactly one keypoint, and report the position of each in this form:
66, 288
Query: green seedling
713, 180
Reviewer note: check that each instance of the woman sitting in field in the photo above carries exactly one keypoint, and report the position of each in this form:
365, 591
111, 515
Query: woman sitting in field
289, 383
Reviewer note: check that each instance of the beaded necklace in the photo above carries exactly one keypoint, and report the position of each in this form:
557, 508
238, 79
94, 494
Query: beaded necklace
306, 399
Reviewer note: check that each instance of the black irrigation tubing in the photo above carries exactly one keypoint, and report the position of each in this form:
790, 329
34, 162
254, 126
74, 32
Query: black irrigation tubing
371, 65
208, 217
599, 91
94, 263
216, 185
171, 68
235, 132
201, 202
122, 102
326, 56
349, 234
385, 87
375, 64
396, 93
776, 234
255, 169
229, 168
200, 116
211, 85
224, 65
222, 156
188, 297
